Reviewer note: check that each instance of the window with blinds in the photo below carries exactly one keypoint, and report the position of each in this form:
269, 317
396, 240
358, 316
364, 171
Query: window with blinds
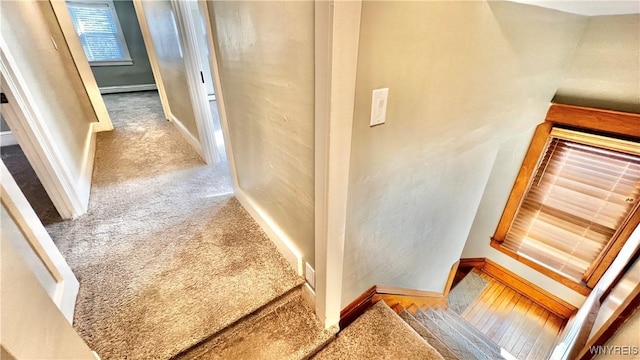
584, 189
98, 28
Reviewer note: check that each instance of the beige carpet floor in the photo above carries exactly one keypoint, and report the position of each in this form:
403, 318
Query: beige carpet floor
166, 256
286, 329
379, 334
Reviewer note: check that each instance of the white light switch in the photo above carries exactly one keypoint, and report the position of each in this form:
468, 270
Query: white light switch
379, 106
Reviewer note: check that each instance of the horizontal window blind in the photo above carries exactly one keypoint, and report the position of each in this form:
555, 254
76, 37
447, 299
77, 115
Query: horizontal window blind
579, 197
96, 26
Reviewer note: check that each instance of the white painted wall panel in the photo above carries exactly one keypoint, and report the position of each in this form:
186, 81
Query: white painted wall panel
266, 63
463, 77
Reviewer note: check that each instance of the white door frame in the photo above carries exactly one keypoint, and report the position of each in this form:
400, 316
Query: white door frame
82, 64
153, 59
197, 89
337, 33
27, 124
41, 243
222, 110
197, 92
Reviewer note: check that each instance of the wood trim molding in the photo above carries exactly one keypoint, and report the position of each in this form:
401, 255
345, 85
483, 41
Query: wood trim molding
598, 120
613, 248
452, 276
412, 303
607, 121
579, 288
529, 166
357, 307
398, 298
538, 295
468, 263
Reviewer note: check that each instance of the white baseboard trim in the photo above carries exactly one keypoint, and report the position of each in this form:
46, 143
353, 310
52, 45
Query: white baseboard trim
127, 88
309, 295
89, 155
95, 354
7, 139
273, 231
192, 140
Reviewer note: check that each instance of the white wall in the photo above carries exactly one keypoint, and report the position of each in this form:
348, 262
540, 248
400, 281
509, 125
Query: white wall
265, 56
30, 29
605, 71
14, 236
32, 325
463, 78
163, 27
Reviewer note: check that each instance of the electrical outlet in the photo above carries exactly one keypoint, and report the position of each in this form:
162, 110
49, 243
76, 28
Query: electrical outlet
310, 275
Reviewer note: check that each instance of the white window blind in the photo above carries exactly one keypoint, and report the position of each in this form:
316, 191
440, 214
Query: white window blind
580, 196
98, 28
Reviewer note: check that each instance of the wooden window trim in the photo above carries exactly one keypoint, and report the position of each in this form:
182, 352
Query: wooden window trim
589, 119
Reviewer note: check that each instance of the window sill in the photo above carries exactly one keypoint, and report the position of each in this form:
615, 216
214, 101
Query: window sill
111, 63
578, 287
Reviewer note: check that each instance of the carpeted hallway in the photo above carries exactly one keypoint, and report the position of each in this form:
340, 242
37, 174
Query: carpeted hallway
166, 256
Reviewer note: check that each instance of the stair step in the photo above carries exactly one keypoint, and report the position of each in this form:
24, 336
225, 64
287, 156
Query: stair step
465, 292
485, 344
378, 334
285, 329
433, 340
461, 346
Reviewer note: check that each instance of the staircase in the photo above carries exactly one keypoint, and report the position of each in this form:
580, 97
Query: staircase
287, 328
451, 335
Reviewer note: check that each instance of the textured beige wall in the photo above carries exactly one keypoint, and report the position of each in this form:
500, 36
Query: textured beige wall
28, 28
463, 77
266, 63
605, 72
32, 325
166, 41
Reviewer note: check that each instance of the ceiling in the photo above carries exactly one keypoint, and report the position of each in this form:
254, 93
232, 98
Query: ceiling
588, 7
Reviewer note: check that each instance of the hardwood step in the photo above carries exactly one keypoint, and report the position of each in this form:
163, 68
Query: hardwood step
462, 347
433, 340
471, 333
465, 292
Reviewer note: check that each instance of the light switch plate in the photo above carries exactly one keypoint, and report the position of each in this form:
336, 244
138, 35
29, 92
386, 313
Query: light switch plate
379, 106
310, 275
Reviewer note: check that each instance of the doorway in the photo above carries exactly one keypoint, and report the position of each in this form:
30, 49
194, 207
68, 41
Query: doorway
177, 43
20, 168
